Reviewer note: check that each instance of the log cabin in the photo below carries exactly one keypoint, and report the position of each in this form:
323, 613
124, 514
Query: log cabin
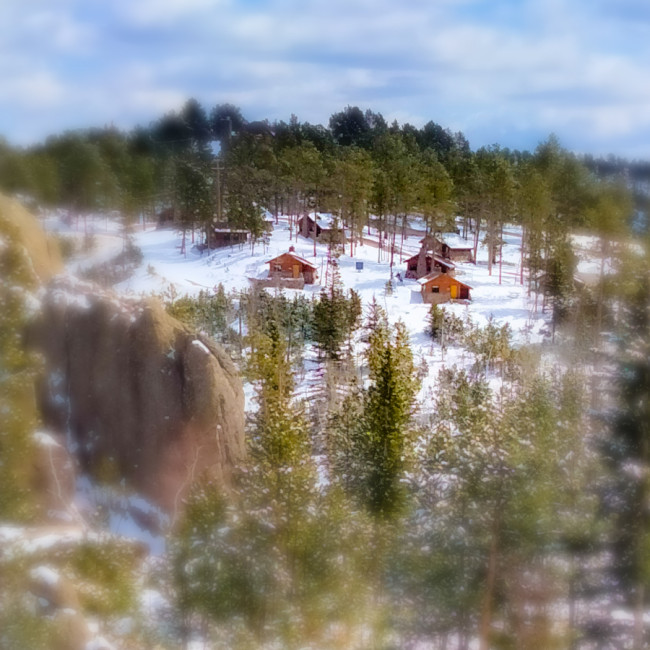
292, 266
437, 287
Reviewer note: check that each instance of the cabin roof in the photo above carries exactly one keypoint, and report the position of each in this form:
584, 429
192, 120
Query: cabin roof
454, 241
440, 260
325, 220
425, 279
223, 226
302, 260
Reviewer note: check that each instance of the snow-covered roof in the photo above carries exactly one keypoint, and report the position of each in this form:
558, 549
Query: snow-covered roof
435, 274
302, 260
455, 241
450, 238
428, 277
325, 219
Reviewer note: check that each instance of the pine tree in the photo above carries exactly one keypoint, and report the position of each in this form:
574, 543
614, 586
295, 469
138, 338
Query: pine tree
500, 487
627, 449
369, 458
436, 321
335, 317
17, 375
387, 413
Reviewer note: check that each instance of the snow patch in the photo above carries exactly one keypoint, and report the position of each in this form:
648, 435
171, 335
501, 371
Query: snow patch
199, 344
46, 575
45, 439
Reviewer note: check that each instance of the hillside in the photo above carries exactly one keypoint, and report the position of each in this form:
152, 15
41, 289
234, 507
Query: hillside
498, 437
164, 271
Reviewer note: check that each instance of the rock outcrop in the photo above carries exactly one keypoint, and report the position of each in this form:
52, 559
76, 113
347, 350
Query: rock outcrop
139, 394
53, 479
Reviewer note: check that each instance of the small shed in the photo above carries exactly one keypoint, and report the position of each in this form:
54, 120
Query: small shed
437, 287
292, 266
433, 263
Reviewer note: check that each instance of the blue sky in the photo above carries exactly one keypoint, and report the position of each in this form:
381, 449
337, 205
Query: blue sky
502, 71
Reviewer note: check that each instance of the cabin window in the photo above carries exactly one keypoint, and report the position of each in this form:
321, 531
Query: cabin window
435, 289
277, 267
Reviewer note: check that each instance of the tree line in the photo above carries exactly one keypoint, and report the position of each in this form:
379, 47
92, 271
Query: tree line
196, 167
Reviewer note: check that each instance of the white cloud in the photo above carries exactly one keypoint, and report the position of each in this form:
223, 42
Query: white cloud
152, 13
38, 90
59, 32
513, 68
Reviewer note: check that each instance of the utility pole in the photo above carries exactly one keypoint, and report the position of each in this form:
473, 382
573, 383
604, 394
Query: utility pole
217, 172
218, 167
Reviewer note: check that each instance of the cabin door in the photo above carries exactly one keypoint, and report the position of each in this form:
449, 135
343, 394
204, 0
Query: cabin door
454, 291
296, 270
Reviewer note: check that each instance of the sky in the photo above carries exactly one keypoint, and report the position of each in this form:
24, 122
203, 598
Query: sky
501, 71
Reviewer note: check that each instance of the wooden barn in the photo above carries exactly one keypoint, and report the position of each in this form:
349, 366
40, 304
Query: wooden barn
440, 287
433, 263
292, 266
450, 247
326, 230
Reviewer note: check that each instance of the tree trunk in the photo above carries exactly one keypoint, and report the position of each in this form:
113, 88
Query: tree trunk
477, 237
488, 597
599, 308
639, 623
490, 243
422, 262
501, 254
392, 244
640, 551
521, 262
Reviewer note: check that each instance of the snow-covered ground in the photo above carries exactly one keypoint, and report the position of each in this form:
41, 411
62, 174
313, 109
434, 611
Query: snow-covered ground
499, 296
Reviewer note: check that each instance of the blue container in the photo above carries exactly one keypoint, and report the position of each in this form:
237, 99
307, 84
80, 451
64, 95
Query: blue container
359, 266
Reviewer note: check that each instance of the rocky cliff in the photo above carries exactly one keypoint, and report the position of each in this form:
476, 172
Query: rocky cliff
140, 396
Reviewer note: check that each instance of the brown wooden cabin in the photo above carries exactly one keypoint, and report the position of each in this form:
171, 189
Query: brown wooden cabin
292, 266
434, 263
325, 231
440, 287
454, 253
222, 235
